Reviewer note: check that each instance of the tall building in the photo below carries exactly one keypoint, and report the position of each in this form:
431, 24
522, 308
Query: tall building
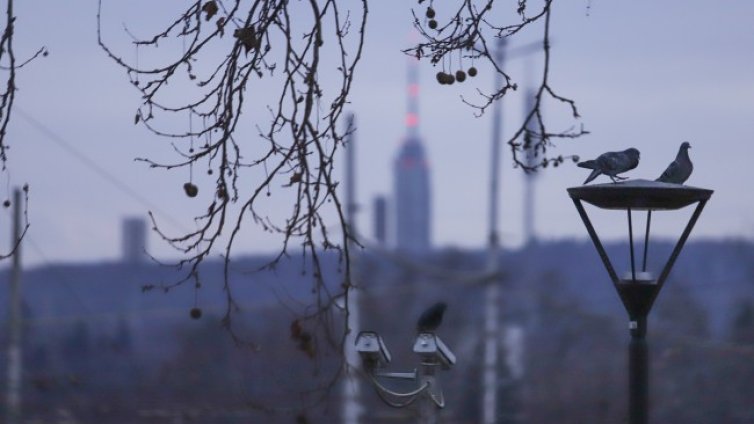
411, 172
134, 240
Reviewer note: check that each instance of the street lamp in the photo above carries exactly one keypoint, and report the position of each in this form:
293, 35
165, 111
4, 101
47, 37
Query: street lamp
638, 290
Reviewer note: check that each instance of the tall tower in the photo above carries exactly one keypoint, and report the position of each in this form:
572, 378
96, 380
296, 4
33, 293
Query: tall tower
411, 171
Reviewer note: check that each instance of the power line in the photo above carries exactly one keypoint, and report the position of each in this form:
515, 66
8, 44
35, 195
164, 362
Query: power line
95, 167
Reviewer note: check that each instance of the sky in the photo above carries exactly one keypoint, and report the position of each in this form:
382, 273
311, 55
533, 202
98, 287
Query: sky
644, 74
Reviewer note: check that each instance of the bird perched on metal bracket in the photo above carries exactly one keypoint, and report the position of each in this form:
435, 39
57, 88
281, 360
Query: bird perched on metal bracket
431, 318
611, 164
680, 169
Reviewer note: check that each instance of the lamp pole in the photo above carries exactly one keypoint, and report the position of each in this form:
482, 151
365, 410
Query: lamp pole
351, 409
639, 290
638, 373
15, 356
492, 291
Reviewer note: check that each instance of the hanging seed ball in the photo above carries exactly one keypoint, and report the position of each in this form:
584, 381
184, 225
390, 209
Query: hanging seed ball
190, 189
450, 79
209, 172
221, 193
195, 313
430, 13
6, 203
432, 24
460, 76
441, 77
472, 72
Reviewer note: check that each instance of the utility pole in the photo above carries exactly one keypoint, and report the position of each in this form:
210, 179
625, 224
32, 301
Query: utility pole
15, 357
492, 292
351, 391
529, 177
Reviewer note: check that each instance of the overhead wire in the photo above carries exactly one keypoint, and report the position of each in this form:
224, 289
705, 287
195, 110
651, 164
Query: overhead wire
95, 167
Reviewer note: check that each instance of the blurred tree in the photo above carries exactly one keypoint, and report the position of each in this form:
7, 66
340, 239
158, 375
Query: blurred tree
742, 328
574, 360
679, 313
122, 340
77, 343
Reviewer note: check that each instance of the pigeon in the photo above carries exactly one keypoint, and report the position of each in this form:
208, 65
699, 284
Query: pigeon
680, 169
611, 164
431, 318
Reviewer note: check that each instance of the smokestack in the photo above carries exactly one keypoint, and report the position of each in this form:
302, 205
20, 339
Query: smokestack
380, 220
134, 240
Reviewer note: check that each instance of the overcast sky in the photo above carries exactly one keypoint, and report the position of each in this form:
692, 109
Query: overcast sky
645, 74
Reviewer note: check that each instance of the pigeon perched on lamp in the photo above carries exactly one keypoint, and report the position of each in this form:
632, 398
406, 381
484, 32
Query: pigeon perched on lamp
611, 164
431, 318
680, 169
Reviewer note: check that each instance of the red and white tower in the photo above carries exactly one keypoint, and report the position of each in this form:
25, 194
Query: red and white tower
411, 170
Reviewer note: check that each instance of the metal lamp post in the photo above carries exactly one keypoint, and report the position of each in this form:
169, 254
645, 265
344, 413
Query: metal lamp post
638, 290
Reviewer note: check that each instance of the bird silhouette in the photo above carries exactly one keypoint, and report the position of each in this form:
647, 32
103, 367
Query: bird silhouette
431, 318
611, 164
680, 169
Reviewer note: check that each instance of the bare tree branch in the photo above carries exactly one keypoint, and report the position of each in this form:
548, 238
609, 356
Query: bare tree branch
281, 44
9, 65
467, 33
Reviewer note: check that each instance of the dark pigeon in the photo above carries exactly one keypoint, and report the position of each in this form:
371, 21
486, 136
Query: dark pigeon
611, 164
431, 318
680, 169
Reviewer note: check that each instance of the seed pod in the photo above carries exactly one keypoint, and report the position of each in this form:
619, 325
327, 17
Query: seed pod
196, 313
190, 189
460, 76
430, 13
441, 77
472, 72
221, 193
432, 24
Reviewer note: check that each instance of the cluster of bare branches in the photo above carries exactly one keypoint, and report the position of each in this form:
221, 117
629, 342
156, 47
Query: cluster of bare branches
262, 43
9, 66
467, 31
230, 46
230, 49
